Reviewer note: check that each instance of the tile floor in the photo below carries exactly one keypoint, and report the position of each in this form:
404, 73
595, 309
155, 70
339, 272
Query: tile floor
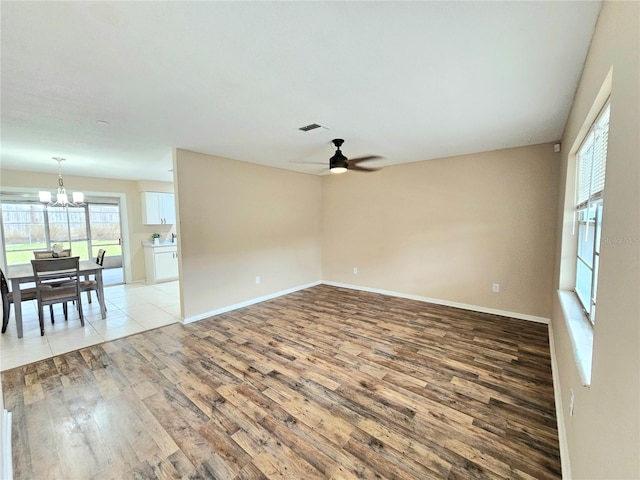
131, 309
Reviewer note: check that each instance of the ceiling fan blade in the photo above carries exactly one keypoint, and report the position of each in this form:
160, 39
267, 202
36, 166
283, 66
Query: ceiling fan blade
355, 161
355, 168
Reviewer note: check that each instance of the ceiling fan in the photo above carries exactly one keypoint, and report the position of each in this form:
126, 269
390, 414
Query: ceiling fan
340, 164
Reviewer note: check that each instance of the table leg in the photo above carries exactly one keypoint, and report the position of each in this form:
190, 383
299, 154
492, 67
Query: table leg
17, 304
103, 301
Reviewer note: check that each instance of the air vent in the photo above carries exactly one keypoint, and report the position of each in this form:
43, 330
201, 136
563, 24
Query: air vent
313, 128
307, 128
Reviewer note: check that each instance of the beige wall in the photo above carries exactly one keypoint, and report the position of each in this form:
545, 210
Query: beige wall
603, 435
238, 221
448, 229
445, 229
36, 181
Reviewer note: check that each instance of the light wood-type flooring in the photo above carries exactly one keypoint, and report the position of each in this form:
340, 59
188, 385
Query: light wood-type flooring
322, 383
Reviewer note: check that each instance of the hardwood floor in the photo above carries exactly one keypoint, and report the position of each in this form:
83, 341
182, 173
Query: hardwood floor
321, 383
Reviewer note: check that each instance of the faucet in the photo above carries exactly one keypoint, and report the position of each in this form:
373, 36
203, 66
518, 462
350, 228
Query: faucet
173, 238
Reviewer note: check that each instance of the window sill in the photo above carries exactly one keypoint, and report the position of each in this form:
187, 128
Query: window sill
581, 333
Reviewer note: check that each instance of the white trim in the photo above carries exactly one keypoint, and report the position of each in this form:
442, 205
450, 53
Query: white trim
580, 332
246, 303
6, 462
557, 395
124, 235
464, 306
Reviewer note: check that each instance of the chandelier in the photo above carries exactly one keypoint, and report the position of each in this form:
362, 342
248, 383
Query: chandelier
62, 199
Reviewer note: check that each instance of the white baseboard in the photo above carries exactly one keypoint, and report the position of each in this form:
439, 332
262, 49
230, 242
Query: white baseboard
246, 303
557, 395
6, 461
464, 306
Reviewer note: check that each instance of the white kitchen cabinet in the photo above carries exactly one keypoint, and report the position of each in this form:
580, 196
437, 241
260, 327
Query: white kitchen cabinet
161, 263
158, 208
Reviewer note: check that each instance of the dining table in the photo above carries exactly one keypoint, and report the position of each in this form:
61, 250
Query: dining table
17, 274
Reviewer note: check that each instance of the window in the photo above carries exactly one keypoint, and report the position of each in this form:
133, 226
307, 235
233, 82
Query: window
24, 231
28, 226
591, 164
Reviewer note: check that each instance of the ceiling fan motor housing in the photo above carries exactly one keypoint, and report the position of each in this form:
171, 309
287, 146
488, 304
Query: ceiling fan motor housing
338, 160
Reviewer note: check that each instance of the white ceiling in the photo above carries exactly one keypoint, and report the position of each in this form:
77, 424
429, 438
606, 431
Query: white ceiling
406, 80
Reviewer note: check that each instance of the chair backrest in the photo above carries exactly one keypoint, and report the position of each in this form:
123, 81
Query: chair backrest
42, 254
55, 268
100, 257
4, 289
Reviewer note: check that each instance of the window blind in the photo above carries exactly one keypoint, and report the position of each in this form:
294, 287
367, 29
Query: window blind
592, 161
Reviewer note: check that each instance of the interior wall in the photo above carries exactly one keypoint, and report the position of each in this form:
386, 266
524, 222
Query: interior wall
447, 229
238, 221
36, 181
603, 435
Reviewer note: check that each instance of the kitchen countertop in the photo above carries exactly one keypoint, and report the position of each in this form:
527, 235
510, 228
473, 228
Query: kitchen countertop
163, 243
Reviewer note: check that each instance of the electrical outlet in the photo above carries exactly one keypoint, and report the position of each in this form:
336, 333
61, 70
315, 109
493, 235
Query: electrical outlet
257, 279
355, 270
496, 288
571, 404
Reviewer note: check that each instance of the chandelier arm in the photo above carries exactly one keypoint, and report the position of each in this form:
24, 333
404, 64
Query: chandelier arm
62, 200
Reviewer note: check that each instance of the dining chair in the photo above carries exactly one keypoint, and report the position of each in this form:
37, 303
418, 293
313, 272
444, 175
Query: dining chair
47, 254
57, 281
88, 285
7, 299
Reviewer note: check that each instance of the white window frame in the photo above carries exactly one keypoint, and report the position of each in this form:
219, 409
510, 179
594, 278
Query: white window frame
589, 207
